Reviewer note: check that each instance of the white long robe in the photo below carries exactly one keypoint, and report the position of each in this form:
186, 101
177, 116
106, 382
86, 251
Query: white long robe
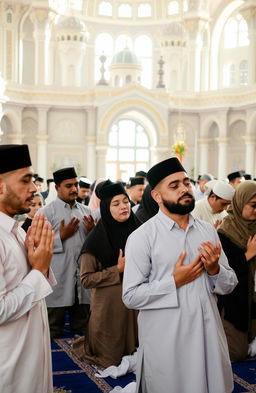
182, 344
25, 353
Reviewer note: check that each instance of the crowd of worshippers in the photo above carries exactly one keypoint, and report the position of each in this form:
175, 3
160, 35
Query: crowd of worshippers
124, 261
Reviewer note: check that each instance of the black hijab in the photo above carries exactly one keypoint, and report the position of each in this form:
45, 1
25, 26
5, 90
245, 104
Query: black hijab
148, 206
109, 235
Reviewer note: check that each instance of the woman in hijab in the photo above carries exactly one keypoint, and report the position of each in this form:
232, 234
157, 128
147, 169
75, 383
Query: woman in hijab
147, 207
238, 238
111, 331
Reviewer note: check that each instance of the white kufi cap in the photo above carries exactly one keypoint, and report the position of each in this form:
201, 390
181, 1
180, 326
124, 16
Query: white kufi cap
223, 190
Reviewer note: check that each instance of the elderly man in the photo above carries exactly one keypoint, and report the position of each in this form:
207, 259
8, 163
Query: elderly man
213, 208
25, 281
174, 268
71, 221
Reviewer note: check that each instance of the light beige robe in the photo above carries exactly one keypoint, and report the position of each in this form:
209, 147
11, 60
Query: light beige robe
25, 353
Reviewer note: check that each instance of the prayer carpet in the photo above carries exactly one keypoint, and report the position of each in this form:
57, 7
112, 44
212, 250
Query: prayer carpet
70, 375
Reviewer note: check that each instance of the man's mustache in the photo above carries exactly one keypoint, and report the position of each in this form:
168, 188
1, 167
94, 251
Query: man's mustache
186, 195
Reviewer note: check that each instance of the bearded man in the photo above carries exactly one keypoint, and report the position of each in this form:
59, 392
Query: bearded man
174, 268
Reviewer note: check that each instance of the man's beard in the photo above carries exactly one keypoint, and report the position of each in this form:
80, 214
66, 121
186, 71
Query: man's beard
12, 200
178, 208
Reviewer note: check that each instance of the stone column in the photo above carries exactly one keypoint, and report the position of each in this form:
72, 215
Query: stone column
16, 138
159, 153
222, 159
250, 154
249, 15
39, 17
203, 155
195, 28
91, 143
101, 153
42, 138
90, 157
42, 155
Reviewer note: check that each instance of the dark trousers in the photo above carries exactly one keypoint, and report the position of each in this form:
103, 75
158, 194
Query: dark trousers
78, 314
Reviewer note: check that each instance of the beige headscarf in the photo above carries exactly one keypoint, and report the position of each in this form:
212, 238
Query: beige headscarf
234, 226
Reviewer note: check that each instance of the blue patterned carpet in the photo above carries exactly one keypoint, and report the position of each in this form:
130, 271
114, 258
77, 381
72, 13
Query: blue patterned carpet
70, 375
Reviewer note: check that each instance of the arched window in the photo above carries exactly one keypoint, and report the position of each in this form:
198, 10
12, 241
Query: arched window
236, 32
125, 11
173, 8
103, 45
243, 72
105, 8
144, 10
128, 149
143, 49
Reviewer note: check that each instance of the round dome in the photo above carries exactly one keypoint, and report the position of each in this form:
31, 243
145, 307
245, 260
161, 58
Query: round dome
125, 57
70, 24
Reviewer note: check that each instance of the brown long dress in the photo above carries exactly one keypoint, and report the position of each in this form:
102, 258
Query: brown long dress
111, 331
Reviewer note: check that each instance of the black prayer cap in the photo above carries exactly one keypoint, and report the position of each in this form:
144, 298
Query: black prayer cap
84, 182
234, 175
38, 178
64, 174
164, 168
110, 189
14, 157
141, 174
134, 181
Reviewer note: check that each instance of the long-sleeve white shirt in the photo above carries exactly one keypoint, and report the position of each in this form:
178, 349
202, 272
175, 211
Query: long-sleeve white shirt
182, 344
25, 355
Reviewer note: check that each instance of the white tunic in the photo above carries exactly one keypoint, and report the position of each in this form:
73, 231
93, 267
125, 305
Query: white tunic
65, 260
203, 211
182, 344
25, 353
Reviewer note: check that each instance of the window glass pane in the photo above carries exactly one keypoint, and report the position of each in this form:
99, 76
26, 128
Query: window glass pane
111, 171
126, 171
125, 11
141, 139
126, 133
232, 74
143, 46
144, 10
141, 167
231, 31
173, 8
126, 155
142, 155
243, 71
112, 154
112, 138
243, 33
105, 8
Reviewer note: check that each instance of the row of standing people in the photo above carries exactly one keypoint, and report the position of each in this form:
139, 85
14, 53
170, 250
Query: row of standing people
165, 288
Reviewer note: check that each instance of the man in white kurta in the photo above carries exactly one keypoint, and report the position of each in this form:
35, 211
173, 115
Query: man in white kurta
213, 207
67, 218
174, 267
25, 281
